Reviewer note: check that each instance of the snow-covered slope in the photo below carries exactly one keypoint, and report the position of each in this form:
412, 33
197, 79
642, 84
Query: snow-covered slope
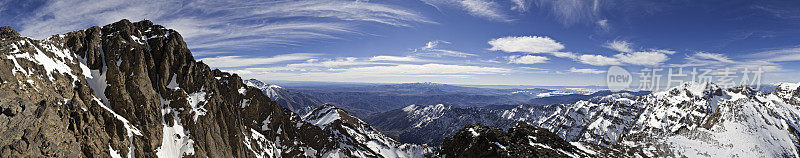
297, 102
693, 119
358, 138
704, 120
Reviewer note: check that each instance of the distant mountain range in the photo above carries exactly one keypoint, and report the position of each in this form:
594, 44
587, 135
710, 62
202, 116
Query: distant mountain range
365, 99
694, 120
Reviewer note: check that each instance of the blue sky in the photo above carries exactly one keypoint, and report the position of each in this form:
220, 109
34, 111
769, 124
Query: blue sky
480, 42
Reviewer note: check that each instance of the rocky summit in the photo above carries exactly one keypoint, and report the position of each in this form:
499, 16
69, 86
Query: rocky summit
522, 140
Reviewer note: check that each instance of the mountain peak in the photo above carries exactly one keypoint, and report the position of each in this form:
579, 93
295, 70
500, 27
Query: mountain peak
8, 32
325, 115
789, 92
522, 140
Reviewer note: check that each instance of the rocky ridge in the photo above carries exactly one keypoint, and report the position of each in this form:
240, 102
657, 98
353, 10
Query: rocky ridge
521, 140
299, 103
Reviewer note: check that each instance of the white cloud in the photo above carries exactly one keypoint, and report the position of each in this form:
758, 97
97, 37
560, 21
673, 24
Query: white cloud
604, 25
663, 51
713, 57
778, 55
520, 5
239, 61
564, 55
345, 10
432, 49
572, 11
642, 58
395, 58
478, 8
317, 65
719, 60
370, 73
434, 44
586, 71
525, 44
526, 59
621, 46
330, 63
219, 25
485, 9
598, 60
428, 69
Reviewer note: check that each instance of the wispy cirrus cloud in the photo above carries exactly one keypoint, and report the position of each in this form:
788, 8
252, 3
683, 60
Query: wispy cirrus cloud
705, 57
526, 59
642, 58
396, 58
479, 8
598, 60
634, 58
373, 73
620, 46
434, 49
572, 11
240, 61
778, 55
586, 71
521, 5
215, 25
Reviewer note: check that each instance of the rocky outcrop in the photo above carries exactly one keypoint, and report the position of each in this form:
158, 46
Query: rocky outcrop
8, 32
522, 140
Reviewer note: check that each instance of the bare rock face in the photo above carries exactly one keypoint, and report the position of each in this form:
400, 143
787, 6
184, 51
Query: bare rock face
134, 90
522, 140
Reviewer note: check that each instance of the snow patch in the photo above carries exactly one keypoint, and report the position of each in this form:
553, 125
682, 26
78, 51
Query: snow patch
474, 133
176, 141
323, 116
173, 84
245, 103
500, 145
113, 153
265, 123
263, 147
242, 91
195, 99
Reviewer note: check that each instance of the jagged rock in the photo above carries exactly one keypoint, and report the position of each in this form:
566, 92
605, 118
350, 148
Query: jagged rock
522, 140
8, 32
